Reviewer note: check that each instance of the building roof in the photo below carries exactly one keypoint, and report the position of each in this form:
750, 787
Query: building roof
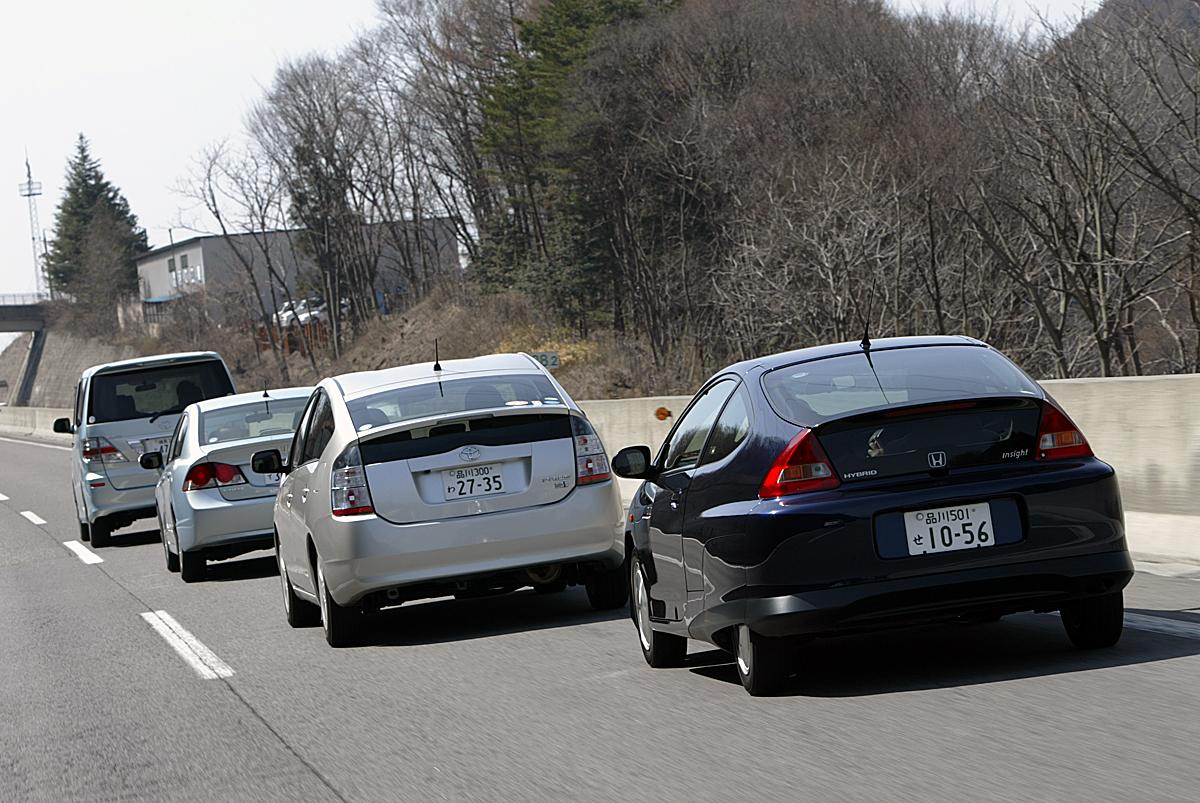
362, 382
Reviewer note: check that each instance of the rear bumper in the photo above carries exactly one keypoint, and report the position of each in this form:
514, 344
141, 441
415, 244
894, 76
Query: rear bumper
1041, 585
361, 555
104, 500
212, 520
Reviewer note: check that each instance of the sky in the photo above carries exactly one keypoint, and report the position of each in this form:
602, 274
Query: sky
150, 82
153, 82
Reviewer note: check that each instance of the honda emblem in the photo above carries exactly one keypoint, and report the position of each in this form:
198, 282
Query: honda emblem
937, 459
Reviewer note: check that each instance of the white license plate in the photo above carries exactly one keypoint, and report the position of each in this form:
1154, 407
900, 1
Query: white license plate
946, 529
151, 445
470, 481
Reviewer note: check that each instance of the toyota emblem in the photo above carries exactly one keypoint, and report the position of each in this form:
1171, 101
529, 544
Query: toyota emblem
470, 453
937, 459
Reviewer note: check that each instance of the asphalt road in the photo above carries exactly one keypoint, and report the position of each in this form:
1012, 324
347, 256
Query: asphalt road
529, 697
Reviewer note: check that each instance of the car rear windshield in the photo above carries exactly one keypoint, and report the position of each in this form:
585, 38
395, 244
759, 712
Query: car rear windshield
158, 390
811, 393
451, 396
254, 420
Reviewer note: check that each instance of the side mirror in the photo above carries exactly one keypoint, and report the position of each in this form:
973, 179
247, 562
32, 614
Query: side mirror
63, 426
267, 462
151, 461
633, 462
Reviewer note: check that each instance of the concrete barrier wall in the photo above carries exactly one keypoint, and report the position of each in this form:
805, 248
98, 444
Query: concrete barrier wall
1148, 428
36, 422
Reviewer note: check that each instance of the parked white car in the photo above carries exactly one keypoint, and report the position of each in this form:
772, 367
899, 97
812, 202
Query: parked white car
123, 410
211, 504
469, 477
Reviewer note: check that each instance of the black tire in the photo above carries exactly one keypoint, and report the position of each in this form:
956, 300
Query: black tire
299, 612
762, 663
101, 534
1096, 622
661, 650
192, 567
343, 625
608, 589
85, 532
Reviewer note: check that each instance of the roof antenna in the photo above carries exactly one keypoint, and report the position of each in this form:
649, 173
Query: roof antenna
866, 341
267, 401
437, 364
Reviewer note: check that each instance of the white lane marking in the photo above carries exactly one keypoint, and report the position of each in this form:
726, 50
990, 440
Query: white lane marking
86, 555
199, 657
33, 517
37, 443
3, 498
1161, 624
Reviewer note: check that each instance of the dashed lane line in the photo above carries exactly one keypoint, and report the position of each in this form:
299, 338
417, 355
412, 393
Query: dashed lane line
193, 652
83, 553
37, 443
3, 498
1161, 624
33, 517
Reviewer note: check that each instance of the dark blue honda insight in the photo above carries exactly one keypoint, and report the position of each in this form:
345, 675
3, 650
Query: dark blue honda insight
862, 486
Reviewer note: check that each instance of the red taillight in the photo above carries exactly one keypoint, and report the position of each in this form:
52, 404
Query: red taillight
212, 475
800, 468
1058, 437
349, 494
591, 463
100, 450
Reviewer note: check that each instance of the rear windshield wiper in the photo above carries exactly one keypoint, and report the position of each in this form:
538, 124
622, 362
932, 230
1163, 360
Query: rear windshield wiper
168, 411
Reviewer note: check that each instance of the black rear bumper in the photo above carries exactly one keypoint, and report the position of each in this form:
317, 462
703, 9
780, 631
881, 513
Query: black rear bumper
1042, 585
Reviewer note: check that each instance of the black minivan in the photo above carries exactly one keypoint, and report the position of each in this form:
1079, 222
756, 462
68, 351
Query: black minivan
862, 486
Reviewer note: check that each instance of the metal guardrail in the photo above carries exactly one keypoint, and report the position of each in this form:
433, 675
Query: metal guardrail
13, 299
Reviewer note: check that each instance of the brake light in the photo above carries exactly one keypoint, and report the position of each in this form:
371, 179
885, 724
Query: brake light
800, 468
349, 494
100, 450
591, 463
1058, 437
212, 475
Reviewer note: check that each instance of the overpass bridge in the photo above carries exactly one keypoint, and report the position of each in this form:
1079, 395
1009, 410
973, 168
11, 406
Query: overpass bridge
25, 312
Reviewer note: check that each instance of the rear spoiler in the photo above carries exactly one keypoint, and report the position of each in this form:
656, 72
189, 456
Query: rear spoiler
886, 412
453, 418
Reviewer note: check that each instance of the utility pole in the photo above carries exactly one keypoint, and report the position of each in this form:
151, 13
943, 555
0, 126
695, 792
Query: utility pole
32, 189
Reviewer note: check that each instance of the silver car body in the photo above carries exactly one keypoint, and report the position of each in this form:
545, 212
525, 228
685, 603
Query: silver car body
123, 491
230, 516
414, 535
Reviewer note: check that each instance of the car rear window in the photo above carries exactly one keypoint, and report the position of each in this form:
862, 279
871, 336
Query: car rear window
161, 390
810, 393
254, 420
451, 396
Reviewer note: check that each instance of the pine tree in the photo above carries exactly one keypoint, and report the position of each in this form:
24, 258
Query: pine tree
90, 201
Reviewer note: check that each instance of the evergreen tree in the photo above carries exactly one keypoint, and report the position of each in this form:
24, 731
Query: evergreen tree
90, 201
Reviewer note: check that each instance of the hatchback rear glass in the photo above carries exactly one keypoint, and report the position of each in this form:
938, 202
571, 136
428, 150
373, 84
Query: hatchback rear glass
254, 420
161, 390
451, 396
813, 392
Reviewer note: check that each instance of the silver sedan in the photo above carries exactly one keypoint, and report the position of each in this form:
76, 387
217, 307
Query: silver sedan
211, 504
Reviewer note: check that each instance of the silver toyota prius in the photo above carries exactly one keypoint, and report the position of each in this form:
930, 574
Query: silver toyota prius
465, 477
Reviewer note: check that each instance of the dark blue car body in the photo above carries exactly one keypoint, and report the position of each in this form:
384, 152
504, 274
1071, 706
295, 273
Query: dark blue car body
715, 555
